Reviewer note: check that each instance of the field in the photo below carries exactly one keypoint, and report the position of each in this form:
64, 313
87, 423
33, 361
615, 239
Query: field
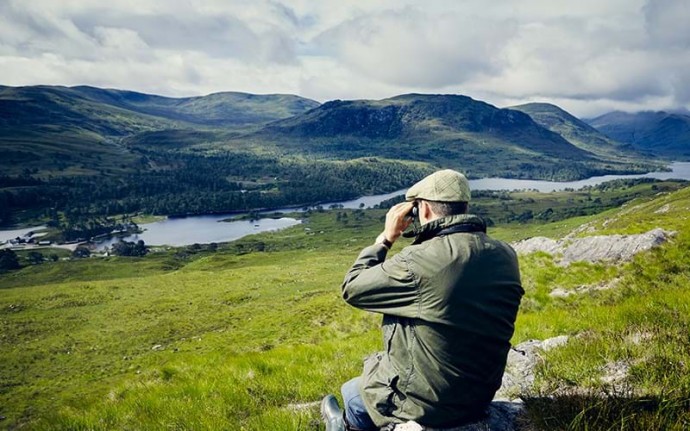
245, 337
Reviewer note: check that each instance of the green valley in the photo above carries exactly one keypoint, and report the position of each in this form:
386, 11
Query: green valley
251, 334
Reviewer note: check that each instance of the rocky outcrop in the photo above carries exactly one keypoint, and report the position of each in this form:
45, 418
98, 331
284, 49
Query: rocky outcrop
560, 292
522, 361
595, 248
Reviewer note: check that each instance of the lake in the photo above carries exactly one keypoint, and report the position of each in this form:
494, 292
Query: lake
679, 171
210, 228
201, 229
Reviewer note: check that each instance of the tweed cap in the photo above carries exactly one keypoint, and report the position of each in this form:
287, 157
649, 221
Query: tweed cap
444, 186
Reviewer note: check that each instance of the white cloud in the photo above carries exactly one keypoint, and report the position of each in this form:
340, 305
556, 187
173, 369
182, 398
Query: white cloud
589, 55
412, 48
667, 23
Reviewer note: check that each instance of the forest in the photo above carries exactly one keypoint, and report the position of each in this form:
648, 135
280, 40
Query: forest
189, 183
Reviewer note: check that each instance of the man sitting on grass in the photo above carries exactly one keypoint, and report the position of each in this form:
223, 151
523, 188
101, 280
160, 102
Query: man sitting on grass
449, 303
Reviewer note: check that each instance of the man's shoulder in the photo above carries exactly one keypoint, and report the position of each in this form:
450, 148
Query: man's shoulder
502, 244
451, 246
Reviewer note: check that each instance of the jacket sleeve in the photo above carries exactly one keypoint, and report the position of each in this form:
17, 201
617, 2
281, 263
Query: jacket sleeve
382, 286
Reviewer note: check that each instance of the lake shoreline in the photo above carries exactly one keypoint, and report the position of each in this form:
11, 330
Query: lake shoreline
275, 218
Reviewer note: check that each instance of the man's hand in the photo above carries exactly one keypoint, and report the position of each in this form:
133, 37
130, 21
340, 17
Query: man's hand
396, 220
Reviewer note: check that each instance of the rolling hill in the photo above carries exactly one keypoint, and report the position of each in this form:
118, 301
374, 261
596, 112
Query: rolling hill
574, 130
661, 133
446, 130
79, 130
224, 109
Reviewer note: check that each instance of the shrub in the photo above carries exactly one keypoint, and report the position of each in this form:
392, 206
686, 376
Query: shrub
8, 260
81, 252
35, 257
127, 248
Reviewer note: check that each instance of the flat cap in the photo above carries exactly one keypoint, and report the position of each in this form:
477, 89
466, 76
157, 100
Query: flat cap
444, 186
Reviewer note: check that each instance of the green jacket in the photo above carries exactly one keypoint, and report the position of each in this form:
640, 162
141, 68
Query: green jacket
449, 303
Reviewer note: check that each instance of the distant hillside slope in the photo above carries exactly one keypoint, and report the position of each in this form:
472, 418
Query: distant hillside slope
661, 133
448, 130
217, 109
576, 131
53, 109
80, 130
45, 104
446, 117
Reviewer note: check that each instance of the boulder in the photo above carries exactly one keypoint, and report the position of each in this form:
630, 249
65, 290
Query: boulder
538, 243
522, 360
595, 248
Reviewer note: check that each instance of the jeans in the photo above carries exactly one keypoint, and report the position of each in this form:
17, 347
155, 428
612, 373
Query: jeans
355, 412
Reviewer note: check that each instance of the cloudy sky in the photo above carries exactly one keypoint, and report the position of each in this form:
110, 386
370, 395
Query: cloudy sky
587, 56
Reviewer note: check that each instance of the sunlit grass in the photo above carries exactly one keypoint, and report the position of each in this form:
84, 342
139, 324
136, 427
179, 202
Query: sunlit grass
240, 339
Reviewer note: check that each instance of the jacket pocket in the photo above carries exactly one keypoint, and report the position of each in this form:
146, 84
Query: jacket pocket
385, 402
380, 386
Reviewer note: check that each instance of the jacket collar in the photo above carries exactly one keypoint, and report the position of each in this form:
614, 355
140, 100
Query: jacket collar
470, 222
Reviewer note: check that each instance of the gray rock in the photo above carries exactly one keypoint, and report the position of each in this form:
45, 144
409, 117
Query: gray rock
559, 292
595, 248
613, 247
664, 209
522, 360
538, 243
615, 374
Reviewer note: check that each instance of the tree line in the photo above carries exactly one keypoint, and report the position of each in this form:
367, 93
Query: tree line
189, 183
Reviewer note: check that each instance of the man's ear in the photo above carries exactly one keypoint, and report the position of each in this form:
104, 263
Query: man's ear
425, 209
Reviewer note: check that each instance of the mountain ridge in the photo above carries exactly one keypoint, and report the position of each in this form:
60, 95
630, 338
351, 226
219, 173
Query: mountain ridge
443, 129
573, 129
142, 152
449, 118
665, 134
185, 109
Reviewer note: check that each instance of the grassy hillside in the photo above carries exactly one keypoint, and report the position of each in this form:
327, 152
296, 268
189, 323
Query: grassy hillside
65, 131
240, 339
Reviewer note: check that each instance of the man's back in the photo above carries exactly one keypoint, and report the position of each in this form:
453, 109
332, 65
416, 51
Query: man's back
449, 306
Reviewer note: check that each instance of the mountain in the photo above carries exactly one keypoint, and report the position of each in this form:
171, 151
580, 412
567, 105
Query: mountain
217, 109
115, 108
88, 151
661, 133
447, 130
574, 130
82, 130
